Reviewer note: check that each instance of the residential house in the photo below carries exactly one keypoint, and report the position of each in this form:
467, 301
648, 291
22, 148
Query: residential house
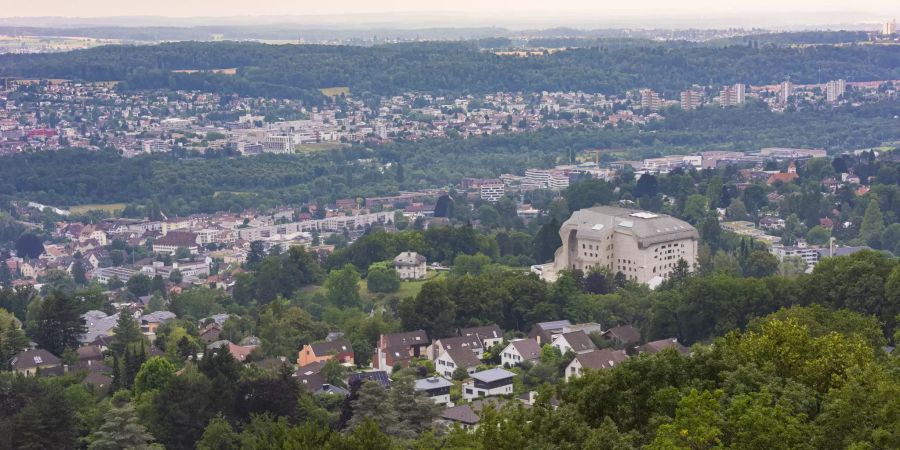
597, 359
456, 358
488, 383
309, 376
30, 361
239, 352
468, 342
339, 349
519, 351
150, 322
399, 348
784, 177
543, 332
576, 341
210, 333
467, 416
437, 388
490, 335
410, 266
660, 345
623, 335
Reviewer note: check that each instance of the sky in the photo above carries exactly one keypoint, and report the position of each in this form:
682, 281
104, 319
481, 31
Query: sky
795, 10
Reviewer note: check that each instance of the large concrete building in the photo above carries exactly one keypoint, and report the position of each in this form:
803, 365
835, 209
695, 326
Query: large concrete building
645, 247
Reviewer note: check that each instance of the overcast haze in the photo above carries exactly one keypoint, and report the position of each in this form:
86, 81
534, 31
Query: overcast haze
459, 13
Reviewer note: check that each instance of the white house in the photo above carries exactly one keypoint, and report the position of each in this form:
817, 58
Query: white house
451, 359
488, 383
595, 360
437, 388
410, 266
490, 335
576, 341
519, 351
468, 342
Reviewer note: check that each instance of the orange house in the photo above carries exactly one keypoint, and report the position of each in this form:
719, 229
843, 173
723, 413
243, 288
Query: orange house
339, 349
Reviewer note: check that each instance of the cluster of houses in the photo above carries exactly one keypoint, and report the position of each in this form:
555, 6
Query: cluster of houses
460, 360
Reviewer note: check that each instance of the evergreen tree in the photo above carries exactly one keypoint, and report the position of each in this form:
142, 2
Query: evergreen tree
57, 324
872, 224
125, 333
78, 272
116, 376
121, 429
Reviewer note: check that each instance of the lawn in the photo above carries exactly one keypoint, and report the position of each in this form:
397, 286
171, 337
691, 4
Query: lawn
318, 147
111, 208
407, 288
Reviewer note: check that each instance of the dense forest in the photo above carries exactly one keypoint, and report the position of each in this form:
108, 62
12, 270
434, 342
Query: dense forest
210, 183
297, 71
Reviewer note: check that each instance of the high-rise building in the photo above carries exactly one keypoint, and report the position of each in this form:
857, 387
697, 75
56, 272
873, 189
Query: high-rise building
690, 99
732, 95
834, 90
787, 90
650, 100
889, 28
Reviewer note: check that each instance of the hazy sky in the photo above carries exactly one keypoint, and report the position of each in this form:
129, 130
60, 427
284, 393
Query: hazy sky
594, 8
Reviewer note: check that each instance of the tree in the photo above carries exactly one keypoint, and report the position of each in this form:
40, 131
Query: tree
139, 285
547, 241
256, 254
334, 373
114, 283
818, 235
647, 186
760, 264
121, 429
736, 210
872, 224
382, 278
182, 409
431, 310
791, 266
182, 253
695, 209
175, 276
470, 264
587, 193
155, 374
28, 245
219, 435
126, 332
698, 424
78, 272
12, 338
342, 287
57, 324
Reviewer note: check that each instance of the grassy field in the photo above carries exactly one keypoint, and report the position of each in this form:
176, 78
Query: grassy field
318, 147
407, 288
334, 91
111, 208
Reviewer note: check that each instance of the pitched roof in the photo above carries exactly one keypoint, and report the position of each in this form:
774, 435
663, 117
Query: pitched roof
32, 358
177, 239
418, 337
601, 359
409, 259
328, 347
579, 341
662, 344
461, 413
463, 357
527, 348
491, 331
469, 342
625, 333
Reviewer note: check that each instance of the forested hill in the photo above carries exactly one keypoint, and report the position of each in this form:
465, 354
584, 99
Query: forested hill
298, 70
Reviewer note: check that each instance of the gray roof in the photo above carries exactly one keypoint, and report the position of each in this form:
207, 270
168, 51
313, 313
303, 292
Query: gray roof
470, 342
647, 228
463, 357
601, 359
491, 331
158, 317
36, 357
527, 348
553, 325
579, 341
662, 344
461, 413
98, 324
625, 333
409, 259
491, 375
427, 384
